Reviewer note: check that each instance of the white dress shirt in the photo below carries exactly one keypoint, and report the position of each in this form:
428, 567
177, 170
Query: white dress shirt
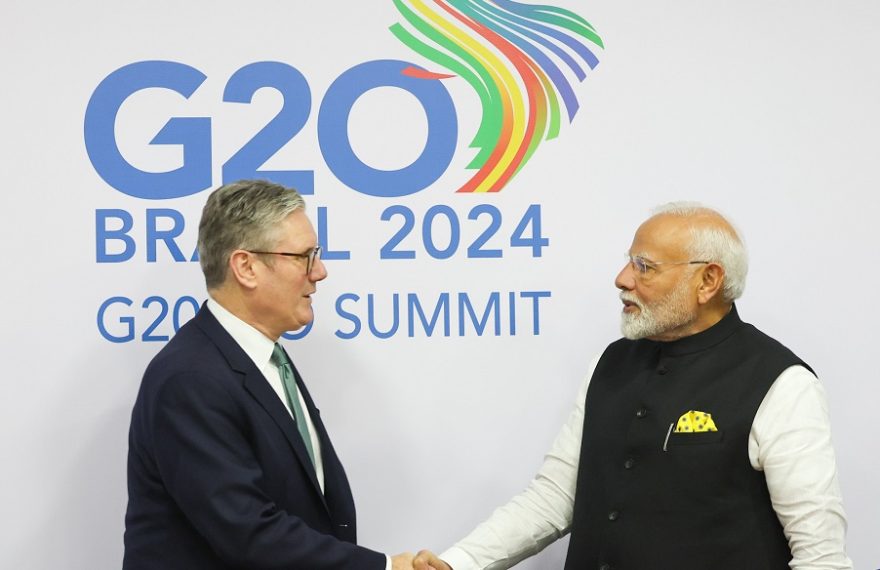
259, 348
790, 441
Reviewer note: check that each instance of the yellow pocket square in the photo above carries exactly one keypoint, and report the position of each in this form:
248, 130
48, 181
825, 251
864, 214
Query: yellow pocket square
695, 421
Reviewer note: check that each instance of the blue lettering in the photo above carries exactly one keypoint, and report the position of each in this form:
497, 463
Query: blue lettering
395, 321
103, 234
323, 239
287, 123
535, 296
128, 321
428, 231
464, 303
355, 321
511, 300
415, 307
154, 234
336, 147
148, 335
193, 134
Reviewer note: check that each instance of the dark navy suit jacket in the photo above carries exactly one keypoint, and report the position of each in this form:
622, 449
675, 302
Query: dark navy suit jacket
218, 476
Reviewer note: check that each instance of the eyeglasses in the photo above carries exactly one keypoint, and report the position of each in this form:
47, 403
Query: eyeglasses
644, 267
310, 256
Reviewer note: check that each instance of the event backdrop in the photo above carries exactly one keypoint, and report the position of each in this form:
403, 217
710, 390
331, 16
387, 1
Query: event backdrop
475, 171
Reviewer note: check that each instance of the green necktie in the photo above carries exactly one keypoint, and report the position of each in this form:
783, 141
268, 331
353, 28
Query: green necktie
290, 391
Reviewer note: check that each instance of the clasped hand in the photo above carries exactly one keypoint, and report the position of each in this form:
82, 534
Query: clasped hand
424, 560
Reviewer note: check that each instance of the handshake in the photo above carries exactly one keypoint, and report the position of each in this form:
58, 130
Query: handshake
424, 560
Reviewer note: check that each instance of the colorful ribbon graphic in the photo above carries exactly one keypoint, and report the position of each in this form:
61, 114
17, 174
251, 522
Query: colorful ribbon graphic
507, 52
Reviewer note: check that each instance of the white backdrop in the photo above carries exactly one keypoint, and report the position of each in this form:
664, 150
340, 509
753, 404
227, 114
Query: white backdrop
767, 110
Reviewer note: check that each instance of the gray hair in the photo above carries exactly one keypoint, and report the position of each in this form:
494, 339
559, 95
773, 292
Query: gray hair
241, 215
719, 244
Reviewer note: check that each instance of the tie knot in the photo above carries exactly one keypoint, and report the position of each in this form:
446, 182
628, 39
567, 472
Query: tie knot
278, 356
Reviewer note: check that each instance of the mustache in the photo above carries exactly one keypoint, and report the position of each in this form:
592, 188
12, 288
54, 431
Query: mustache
630, 297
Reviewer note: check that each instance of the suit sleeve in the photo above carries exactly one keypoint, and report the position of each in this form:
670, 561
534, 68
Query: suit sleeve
209, 469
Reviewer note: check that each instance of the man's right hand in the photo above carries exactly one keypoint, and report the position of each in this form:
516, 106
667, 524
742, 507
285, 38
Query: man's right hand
402, 561
427, 560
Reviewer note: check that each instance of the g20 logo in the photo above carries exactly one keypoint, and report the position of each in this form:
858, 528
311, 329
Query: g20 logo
519, 60
194, 134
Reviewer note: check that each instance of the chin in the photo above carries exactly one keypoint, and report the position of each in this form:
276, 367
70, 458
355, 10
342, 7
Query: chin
635, 328
302, 322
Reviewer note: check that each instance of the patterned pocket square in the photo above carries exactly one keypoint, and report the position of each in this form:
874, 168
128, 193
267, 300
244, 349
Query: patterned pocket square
695, 421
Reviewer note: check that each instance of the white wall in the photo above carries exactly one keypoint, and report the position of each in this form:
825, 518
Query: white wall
766, 110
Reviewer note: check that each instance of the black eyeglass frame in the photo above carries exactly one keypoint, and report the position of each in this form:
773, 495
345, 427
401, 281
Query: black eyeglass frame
310, 256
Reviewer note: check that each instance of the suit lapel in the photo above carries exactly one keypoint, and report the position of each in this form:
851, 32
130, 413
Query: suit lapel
263, 393
258, 387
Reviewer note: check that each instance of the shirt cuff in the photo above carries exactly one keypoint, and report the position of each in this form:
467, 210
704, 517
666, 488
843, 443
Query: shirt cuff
458, 559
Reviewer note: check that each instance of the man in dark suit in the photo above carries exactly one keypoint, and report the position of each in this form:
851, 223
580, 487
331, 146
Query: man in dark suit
229, 464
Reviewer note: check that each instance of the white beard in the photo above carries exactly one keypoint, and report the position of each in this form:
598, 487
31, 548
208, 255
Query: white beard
659, 317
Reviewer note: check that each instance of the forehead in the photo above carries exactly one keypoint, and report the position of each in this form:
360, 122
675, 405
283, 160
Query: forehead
662, 237
296, 231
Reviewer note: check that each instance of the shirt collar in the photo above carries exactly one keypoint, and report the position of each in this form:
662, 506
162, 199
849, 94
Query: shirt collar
254, 343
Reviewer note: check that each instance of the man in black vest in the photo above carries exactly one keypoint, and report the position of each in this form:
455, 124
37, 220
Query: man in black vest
697, 442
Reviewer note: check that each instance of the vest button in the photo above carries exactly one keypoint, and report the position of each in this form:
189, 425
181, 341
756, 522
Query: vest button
662, 370
629, 463
612, 516
641, 412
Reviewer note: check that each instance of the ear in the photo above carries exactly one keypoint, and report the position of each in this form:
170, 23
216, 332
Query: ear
711, 281
242, 268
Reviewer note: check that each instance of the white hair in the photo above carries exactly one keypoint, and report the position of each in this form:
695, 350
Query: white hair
718, 244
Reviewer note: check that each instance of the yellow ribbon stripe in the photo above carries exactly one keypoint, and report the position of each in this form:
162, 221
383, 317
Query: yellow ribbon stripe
511, 96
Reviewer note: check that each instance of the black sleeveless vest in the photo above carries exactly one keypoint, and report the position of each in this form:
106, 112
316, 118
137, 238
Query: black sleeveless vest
651, 499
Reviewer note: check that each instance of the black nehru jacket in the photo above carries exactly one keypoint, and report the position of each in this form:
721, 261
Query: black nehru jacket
698, 503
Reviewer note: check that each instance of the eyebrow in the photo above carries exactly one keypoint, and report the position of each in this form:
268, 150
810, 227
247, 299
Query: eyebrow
641, 254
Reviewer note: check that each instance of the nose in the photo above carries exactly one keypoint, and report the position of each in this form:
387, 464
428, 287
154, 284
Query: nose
319, 271
626, 279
